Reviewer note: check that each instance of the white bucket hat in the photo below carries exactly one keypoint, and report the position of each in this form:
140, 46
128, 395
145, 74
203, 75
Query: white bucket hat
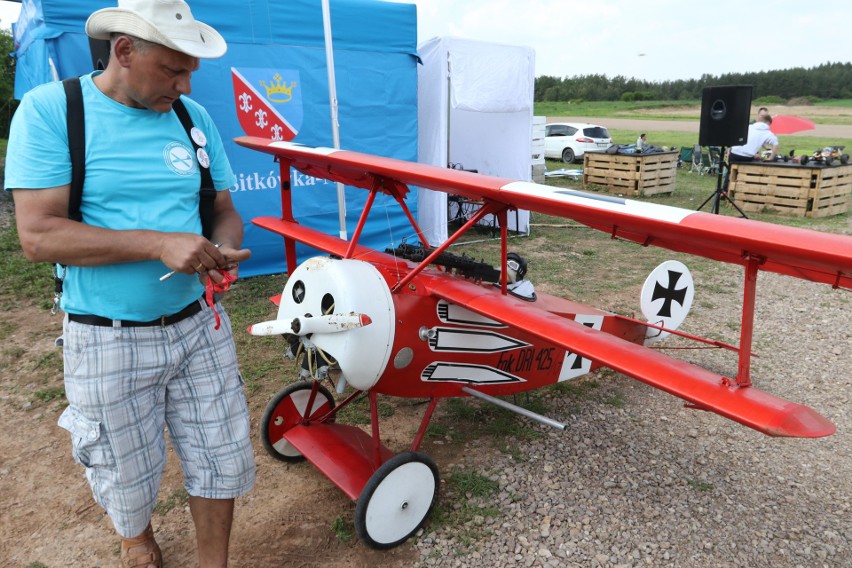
165, 22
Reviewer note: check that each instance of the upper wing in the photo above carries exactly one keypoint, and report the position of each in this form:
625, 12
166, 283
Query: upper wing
820, 257
747, 405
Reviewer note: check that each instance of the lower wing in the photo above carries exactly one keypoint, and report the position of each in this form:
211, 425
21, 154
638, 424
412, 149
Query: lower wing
706, 390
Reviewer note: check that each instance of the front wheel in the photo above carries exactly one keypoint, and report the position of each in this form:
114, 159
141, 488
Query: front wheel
287, 409
396, 500
568, 156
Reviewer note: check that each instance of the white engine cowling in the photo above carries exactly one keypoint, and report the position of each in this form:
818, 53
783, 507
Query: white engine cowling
324, 286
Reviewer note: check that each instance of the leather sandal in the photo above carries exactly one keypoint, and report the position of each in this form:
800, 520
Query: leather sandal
141, 551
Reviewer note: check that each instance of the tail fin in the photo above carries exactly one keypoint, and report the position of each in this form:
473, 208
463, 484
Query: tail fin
666, 298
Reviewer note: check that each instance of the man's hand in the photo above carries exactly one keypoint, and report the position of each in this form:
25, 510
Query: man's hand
193, 254
232, 258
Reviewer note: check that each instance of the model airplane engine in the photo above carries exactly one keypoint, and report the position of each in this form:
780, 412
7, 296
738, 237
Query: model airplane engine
343, 307
462, 265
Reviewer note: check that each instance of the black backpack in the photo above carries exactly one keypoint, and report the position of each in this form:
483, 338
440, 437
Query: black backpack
75, 118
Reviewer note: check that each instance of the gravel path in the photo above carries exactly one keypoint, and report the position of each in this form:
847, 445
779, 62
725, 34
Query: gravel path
650, 483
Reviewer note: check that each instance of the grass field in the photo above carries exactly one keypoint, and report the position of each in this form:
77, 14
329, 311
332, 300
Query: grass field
603, 109
838, 112
675, 139
682, 110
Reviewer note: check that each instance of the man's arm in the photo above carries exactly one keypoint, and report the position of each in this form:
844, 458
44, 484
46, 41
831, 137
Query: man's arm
773, 152
48, 235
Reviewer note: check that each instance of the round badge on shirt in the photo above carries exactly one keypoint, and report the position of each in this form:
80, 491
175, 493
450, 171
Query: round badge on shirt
203, 158
198, 136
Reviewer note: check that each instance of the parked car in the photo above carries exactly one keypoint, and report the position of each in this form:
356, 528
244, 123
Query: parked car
568, 141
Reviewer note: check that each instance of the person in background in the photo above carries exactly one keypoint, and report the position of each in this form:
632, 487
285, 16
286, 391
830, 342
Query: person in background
759, 137
761, 112
141, 350
642, 143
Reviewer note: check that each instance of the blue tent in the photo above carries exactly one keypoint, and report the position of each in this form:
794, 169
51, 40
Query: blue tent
277, 54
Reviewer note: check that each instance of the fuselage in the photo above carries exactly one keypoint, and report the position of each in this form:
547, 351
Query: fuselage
421, 345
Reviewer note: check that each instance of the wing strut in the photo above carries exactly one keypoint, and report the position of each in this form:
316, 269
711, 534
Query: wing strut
489, 208
371, 198
514, 408
504, 251
287, 212
411, 219
747, 327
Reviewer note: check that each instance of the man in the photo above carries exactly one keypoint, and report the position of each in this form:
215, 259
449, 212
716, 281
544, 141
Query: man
141, 351
761, 112
642, 143
759, 137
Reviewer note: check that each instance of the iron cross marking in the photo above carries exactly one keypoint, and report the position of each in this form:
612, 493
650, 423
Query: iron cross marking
578, 361
669, 294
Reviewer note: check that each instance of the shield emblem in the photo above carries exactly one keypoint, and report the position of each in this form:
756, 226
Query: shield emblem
268, 102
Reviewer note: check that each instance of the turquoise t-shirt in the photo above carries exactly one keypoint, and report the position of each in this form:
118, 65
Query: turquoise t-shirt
141, 173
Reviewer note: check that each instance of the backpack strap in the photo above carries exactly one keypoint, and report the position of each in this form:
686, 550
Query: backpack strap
207, 193
75, 120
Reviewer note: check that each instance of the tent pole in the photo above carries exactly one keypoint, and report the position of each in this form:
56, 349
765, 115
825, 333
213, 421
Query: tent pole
332, 96
449, 106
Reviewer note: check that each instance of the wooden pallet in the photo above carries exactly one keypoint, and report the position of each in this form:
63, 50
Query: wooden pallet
631, 174
799, 191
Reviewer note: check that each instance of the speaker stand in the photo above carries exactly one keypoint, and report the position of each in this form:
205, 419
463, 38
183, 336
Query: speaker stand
721, 191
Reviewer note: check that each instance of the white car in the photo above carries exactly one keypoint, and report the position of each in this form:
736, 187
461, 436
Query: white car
568, 141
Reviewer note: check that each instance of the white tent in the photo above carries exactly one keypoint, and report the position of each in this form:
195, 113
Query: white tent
475, 109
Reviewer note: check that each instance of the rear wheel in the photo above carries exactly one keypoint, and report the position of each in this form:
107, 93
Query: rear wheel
568, 156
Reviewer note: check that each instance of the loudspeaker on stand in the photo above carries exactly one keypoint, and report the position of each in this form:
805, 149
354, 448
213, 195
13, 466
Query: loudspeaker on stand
725, 115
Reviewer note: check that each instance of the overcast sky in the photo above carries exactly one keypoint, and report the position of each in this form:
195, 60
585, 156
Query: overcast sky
647, 39
8, 13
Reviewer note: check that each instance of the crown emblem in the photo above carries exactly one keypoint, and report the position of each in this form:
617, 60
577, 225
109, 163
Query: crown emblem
278, 92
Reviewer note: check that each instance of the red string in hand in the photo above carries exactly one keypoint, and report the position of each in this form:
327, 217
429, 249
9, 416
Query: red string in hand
211, 288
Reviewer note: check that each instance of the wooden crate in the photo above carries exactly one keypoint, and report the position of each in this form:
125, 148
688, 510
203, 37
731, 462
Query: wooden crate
631, 174
801, 191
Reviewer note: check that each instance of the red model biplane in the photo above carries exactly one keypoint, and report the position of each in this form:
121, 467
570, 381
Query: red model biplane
417, 321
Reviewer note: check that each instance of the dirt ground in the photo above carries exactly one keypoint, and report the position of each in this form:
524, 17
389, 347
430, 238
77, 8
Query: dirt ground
49, 518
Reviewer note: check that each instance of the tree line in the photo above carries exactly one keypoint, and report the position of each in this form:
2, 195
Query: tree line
825, 81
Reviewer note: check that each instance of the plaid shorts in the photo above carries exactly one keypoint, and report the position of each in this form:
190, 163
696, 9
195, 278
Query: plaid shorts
125, 384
